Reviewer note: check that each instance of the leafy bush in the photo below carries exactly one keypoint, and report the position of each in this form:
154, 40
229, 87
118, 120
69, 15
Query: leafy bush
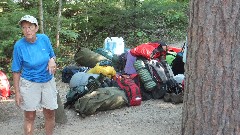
88, 23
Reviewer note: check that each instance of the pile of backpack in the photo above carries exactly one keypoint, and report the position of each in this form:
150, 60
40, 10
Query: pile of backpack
156, 73
104, 80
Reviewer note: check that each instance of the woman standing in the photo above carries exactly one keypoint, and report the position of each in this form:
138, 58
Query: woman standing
33, 68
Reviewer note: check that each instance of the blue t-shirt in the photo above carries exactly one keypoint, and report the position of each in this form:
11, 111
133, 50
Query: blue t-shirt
31, 59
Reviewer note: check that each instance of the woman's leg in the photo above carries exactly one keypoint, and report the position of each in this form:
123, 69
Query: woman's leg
29, 117
49, 116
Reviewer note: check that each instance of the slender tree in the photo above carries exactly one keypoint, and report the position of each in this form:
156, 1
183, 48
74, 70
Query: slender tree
41, 16
211, 98
60, 116
59, 22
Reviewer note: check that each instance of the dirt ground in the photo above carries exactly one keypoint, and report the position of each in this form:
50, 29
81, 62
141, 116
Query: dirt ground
152, 117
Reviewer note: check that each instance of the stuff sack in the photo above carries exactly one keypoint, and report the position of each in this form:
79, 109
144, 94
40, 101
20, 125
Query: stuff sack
101, 99
69, 71
132, 90
86, 57
4, 85
106, 70
129, 66
80, 78
145, 75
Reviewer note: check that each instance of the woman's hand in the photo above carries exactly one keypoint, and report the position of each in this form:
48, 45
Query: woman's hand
52, 66
18, 99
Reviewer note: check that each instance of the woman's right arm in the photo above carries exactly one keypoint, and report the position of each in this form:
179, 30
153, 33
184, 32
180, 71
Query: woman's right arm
16, 79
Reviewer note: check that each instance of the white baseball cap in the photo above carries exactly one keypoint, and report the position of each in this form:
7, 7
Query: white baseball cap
28, 18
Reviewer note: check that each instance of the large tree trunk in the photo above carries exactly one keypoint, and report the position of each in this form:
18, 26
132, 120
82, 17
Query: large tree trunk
212, 86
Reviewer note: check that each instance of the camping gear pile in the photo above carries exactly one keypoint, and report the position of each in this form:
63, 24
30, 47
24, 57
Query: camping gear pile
113, 76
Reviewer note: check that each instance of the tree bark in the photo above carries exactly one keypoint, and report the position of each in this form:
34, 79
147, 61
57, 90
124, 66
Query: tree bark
41, 16
58, 23
211, 96
61, 116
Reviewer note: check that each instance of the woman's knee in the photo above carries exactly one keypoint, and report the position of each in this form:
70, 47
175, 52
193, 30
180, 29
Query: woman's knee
30, 115
49, 114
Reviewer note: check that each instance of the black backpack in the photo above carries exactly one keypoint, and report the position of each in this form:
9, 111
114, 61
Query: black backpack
178, 64
69, 71
119, 62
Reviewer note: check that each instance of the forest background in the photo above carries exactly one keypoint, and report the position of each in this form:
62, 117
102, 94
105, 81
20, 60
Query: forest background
87, 23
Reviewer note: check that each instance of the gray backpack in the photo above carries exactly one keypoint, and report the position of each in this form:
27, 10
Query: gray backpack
80, 84
163, 75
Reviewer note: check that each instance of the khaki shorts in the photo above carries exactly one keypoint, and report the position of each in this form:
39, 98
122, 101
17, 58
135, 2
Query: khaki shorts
38, 95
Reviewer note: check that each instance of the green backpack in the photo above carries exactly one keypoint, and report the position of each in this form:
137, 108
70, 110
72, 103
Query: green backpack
101, 99
170, 57
87, 58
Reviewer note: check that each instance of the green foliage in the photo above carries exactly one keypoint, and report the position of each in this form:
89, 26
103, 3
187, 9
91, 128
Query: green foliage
88, 23
70, 35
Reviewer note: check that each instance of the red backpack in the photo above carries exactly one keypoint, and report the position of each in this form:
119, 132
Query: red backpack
4, 86
131, 88
151, 50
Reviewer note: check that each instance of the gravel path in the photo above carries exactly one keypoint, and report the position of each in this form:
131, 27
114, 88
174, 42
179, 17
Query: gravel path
152, 117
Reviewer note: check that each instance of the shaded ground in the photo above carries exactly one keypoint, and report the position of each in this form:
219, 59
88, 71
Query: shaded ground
152, 117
